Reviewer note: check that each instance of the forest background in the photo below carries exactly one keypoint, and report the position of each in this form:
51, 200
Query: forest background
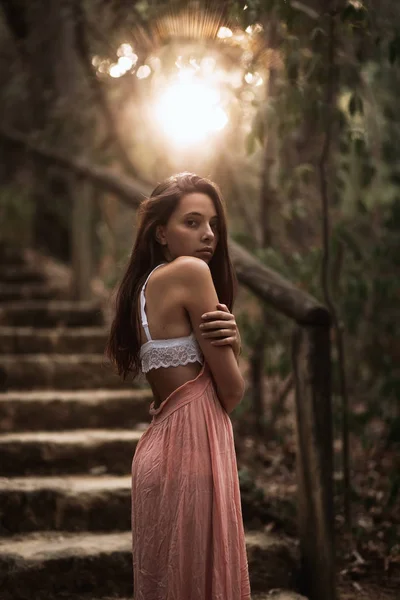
300, 127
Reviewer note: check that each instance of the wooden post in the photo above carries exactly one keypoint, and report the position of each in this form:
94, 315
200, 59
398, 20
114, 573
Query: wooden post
82, 241
311, 363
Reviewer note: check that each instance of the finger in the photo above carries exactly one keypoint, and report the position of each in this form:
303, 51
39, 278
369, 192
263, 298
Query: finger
223, 306
217, 333
216, 314
209, 325
223, 342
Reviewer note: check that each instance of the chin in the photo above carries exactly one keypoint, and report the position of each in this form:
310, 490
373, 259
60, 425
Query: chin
204, 257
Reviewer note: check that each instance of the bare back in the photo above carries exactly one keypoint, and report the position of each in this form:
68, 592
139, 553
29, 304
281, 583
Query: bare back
167, 318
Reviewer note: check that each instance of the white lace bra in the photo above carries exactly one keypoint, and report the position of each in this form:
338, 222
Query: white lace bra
171, 352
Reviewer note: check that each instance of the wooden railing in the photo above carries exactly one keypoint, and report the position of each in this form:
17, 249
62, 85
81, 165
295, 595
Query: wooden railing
310, 357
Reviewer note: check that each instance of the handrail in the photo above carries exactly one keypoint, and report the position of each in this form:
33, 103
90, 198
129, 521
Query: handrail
276, 290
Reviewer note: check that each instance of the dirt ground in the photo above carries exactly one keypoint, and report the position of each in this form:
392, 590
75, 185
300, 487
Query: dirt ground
368, 566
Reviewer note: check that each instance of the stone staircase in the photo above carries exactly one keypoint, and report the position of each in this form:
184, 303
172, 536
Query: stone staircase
68, 431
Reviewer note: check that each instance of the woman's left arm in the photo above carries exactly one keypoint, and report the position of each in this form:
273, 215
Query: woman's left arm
221, 325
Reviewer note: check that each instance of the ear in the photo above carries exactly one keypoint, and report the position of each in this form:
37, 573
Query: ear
160, 235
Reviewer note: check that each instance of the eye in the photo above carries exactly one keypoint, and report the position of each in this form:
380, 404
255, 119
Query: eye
192, 223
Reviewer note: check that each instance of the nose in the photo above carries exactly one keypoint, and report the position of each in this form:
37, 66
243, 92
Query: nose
208, 234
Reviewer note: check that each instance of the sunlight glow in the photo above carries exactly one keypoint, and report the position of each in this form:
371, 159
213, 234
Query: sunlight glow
224, 33
189, 110
253, 79
115, 71
125, 50
143, 72
256, 28
125, 63
208, 64
190, 88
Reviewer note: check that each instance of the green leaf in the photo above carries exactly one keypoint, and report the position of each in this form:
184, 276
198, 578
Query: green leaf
356, 104
355, 15
349, 240
394, 49
303, 171
143, 8
348, 13
317, 32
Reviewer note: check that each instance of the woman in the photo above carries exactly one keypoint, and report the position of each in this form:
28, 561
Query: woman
187, 528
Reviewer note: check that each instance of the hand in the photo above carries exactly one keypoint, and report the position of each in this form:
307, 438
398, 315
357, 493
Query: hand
221, 325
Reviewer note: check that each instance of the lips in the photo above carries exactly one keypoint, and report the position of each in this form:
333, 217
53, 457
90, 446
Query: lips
206, 250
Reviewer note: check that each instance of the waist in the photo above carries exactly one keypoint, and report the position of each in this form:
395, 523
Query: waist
182, 395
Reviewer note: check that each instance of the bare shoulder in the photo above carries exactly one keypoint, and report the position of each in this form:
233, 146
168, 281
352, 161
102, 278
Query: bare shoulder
189, 270
189, 274
182, 276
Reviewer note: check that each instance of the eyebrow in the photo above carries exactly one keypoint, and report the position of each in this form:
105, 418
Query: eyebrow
199, 215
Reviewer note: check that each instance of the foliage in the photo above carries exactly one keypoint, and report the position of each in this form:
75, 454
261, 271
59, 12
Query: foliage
364, 242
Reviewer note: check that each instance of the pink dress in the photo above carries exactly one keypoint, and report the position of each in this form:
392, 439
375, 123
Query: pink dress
187, 527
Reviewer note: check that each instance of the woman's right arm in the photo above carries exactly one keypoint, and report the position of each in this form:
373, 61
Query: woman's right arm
198, 297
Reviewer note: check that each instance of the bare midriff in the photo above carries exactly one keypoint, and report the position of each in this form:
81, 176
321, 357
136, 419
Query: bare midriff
165, 380
167, 321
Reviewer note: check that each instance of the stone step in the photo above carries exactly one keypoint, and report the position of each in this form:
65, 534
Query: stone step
59, 371
69, 503
88, 502
60, 340
27, 291
65, 565
74, 452
21, 273
51, 313
52, 410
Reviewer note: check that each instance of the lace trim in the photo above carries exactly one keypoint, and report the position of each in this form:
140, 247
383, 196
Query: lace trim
172, 355
168, 342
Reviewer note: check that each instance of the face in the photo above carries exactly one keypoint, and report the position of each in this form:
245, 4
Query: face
192, 227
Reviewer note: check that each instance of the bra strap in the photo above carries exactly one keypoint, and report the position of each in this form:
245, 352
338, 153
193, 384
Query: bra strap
143, 304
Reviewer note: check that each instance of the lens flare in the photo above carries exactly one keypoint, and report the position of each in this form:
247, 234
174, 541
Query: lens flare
188, 111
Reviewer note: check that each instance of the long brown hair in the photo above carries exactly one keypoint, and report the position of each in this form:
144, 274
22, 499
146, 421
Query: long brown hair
123, 345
